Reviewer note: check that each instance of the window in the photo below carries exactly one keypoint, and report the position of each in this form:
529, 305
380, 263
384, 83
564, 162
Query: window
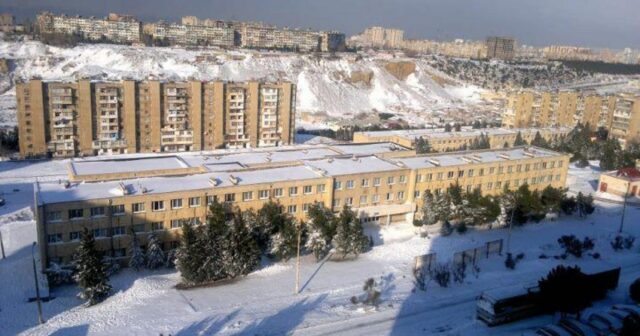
76, 213
176, 223
390, 180
292, 208
278, 192
75, 235
375, 199
376, 182
293, 191
176, 203
157, 206
365, 183
137, 207
439, 176
117, 210
194, 202
228, 198
336, 202
460, 173
498, 185
429, 177
389, 196
54, 238
157, 226
97, 212
54, 216
557, 177
470, 173
510, 169
100, 233
363, 199
450, 175
138, 228
211, 199
519, 168
403, 179
350, 184
481, 172
489, 185
320, 188
559, 164
492, 170
527, 167
400, 195
118, 230
263, 194
307, 189
337, 185
500, 170
416, 194
305, 207
247, 196
348, 201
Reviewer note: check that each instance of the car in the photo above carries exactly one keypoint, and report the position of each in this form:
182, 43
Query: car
553, 330
577, 328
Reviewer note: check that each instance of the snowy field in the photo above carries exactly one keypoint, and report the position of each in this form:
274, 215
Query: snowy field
264, 303
324, 83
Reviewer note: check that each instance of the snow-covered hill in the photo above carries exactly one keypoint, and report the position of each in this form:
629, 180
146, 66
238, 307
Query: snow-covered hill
340, 86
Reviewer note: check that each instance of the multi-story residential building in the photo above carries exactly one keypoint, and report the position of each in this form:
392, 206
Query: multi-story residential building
115, 28
7, 23
383, 37
503, 48
620, 114
455, 48
93, 118
187, 34
384, 185
441, 141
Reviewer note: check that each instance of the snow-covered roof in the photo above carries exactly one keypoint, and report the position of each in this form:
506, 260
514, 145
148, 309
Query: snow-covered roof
52, 192
461, 158
465, 132
126, 165
353, 165
368, 148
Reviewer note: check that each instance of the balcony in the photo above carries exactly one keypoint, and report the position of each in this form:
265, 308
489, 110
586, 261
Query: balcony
109, 144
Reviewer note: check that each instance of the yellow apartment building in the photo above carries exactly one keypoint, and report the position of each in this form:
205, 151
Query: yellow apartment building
135, 196
86, 118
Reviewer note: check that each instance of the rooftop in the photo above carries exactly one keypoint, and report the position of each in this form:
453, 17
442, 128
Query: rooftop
126, 165
466, 131
352, 165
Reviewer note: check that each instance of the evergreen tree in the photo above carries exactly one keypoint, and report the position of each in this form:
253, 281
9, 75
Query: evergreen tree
429, 216
350, 237
422, 146
212, 242
551, 199
241, 254
539, 141
271, 219
584, 205
447, 127
190, 257
155, 255
322, 227
457, 127
441, 206
476, 124
317, 244
284, 243
519, 141
609, 154
90, 271
137, 256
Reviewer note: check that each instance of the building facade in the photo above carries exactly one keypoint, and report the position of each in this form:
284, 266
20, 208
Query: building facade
441, 141
620, 114
187, 34
624, 182
87, 118
503, 48
380, 185
115, 28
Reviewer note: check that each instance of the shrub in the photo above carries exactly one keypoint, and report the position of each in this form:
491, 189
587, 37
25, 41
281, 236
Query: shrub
441, 274
574, 246
461, 228
622, 243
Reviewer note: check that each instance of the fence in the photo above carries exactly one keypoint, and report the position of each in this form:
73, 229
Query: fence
425, 261
471, 256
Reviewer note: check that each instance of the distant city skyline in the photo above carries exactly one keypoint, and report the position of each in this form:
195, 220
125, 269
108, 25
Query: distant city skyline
590, 23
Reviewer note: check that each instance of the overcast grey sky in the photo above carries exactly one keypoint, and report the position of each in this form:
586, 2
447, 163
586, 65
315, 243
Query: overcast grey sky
594, 23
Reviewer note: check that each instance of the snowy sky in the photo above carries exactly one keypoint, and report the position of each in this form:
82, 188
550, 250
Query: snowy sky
595, 23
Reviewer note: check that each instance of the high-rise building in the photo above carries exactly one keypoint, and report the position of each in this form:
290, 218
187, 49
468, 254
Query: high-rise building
383, 37
7, 23
94, 118
114, 28
503, 48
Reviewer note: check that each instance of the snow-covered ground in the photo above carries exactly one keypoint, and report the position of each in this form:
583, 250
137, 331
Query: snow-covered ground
324, 83
263, 303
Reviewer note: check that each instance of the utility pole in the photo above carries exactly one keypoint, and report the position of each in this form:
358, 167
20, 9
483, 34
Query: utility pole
35, 278
624, 207
2, 245
513, 211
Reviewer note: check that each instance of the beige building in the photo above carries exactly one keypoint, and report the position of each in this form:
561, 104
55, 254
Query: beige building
381, 185
620, 114
624, 182
383, 37
503, 48
188, 34
441, 141
115, 27
93, 118
7, 23
455, 48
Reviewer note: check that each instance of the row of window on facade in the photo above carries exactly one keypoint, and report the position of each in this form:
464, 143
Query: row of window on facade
375, 199
490, 171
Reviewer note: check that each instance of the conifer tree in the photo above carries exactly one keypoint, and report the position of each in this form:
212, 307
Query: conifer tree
447, 127
322, 227
241, 254
155, 255
284, 242
91, 273
213, 241
519, 141
429, 216
584, 205
539, 141
350, 237
137, 256
190, 257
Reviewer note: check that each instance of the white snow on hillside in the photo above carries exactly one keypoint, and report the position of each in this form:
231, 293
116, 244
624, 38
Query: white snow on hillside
263, 303
323, 82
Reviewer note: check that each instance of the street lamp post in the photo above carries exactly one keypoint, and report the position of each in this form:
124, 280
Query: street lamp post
298, 260
624, 207
35, 278
513, 211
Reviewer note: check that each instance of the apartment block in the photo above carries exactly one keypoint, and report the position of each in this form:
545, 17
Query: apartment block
188, 34
503, 48
115, 28
383, 37
117, 197
87, 118
7, 23
441, 141
620, 114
